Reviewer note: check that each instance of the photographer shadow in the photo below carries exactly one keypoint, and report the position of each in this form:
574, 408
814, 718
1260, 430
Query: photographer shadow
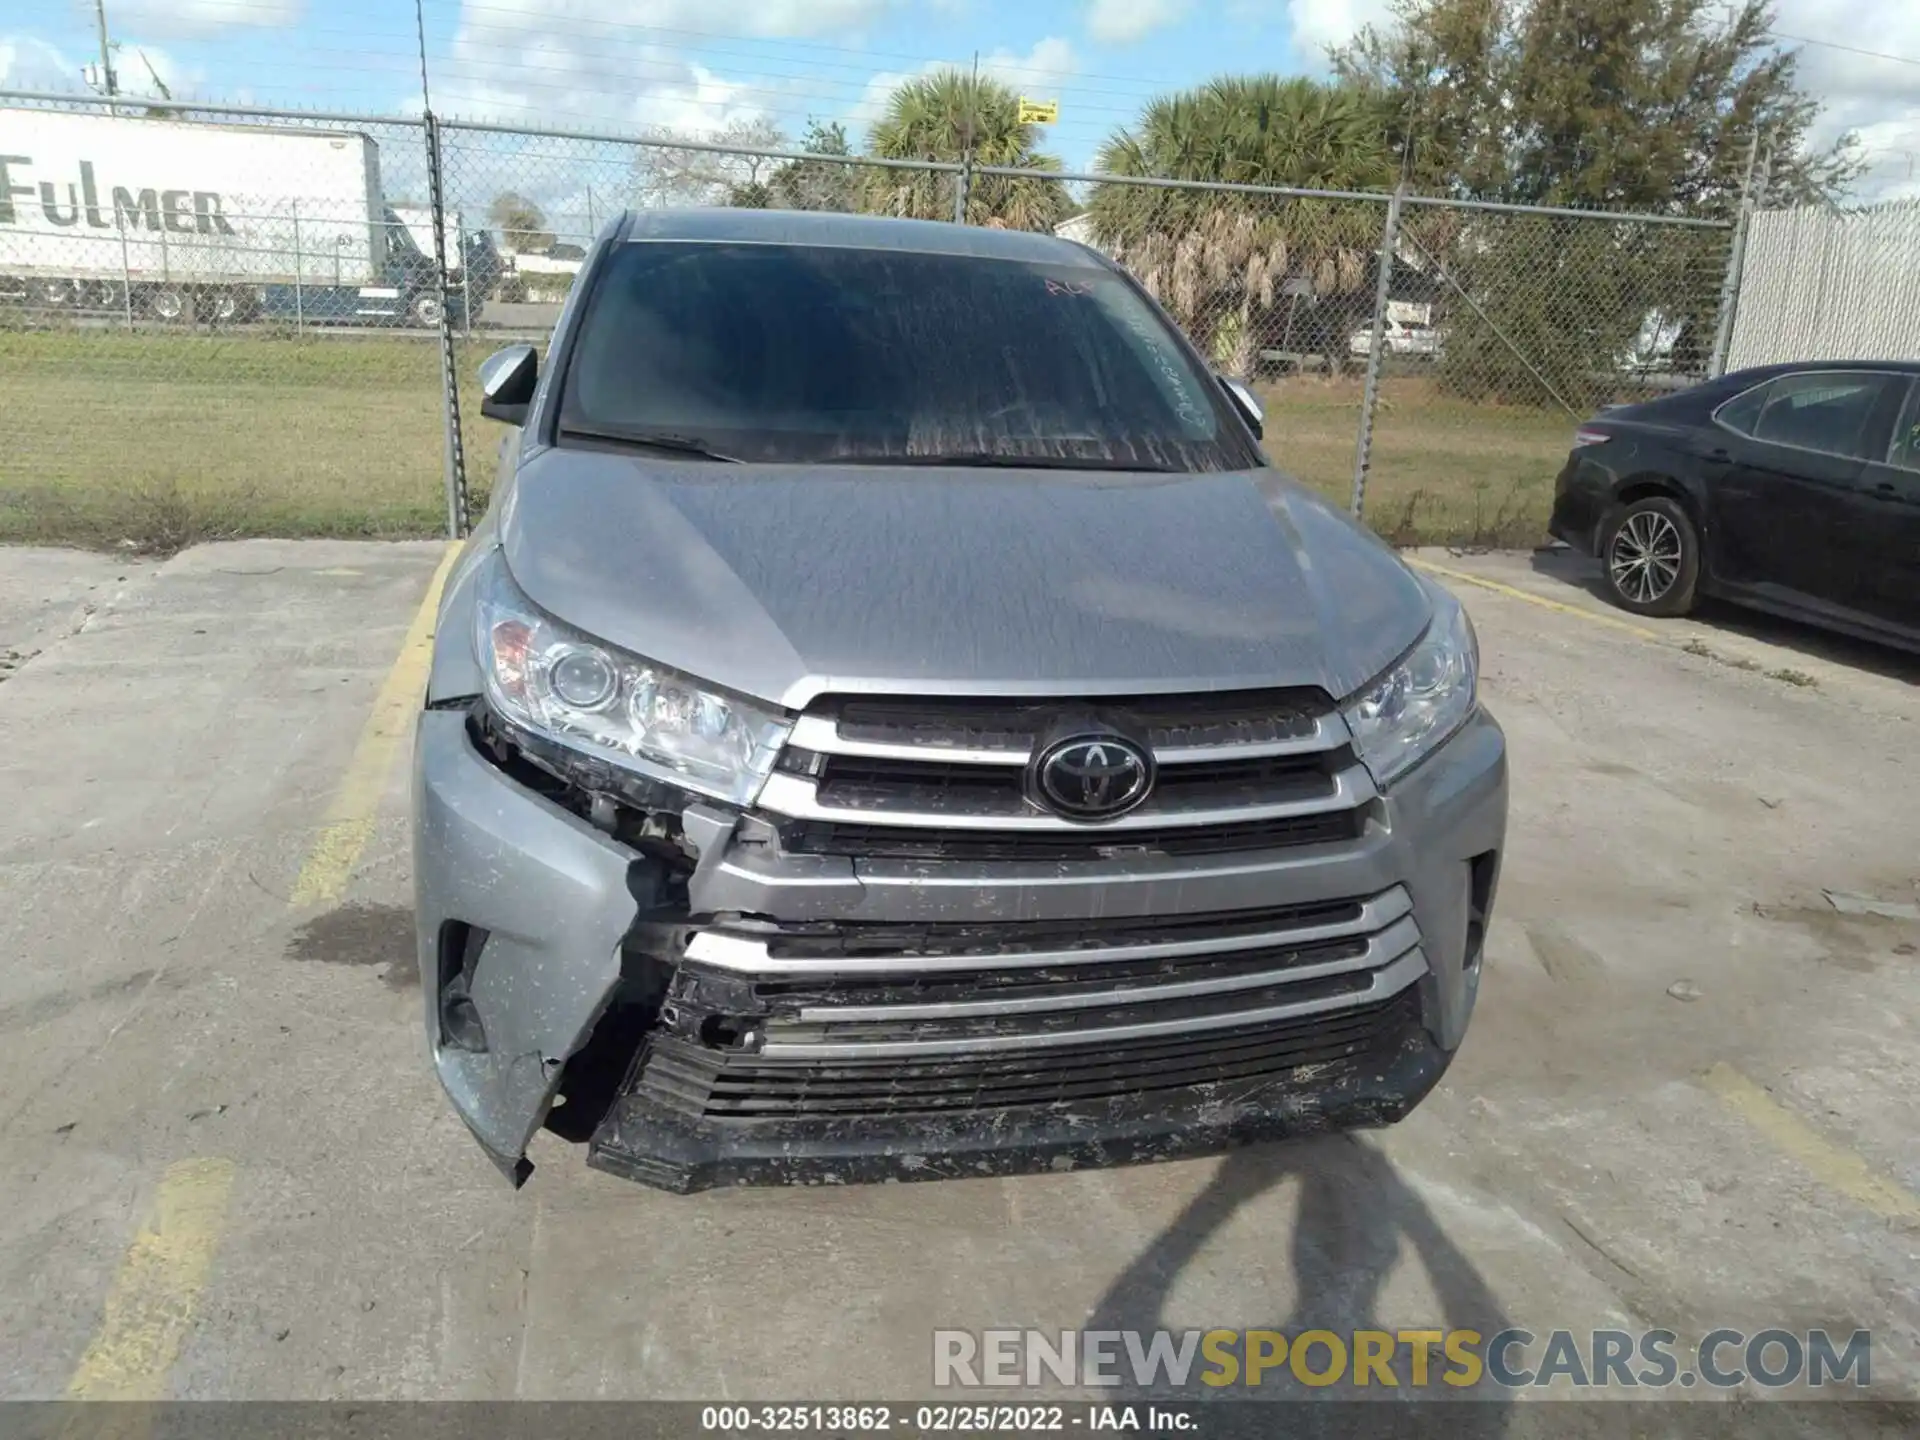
1357, 1221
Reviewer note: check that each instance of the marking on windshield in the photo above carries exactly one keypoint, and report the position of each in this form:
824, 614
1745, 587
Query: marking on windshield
1069, 287
1184, 403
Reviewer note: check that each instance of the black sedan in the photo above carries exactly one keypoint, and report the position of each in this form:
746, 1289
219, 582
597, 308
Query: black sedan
1789, 488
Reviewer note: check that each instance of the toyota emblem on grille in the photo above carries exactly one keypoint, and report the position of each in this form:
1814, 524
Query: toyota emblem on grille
1092, 777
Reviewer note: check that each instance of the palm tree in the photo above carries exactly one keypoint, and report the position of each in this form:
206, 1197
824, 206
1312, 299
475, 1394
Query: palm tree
953, 116
1221, 260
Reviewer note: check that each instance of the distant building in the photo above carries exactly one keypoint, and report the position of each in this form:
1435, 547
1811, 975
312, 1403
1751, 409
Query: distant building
1078, 229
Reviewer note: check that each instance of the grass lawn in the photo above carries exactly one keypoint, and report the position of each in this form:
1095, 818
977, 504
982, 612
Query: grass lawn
1441, 471
170, 438
166, 439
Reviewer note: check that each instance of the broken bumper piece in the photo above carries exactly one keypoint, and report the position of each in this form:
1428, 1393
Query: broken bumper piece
748, 1015
675, 1143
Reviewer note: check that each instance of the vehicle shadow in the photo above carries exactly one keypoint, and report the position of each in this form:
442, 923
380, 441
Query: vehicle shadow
1357, 1222
1570, 567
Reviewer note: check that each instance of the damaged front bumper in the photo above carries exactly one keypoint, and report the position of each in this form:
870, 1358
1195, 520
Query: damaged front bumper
704, 1009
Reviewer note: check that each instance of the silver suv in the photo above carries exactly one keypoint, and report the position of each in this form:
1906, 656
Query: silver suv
892, 722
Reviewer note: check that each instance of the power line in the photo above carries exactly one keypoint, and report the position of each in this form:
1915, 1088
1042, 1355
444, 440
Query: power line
1850, 49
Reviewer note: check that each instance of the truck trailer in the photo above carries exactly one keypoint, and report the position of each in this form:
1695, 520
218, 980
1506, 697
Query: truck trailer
175, 221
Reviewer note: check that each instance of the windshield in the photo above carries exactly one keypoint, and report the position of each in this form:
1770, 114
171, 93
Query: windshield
809, 353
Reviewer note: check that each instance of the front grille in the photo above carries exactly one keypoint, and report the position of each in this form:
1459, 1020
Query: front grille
991, 941
715, 1085
1230, 718
858, 782
884, 1019
889, 842
948, 779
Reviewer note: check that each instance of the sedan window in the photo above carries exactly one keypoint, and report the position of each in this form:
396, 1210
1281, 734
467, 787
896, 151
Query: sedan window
1741, 412
1905, 449
1826, 411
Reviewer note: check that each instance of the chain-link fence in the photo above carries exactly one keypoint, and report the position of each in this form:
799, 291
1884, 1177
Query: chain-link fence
1271, 286
1501, 330
225, 320
199, 312
1497, 327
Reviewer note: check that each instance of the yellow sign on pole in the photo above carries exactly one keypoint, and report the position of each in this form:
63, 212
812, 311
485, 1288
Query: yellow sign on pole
1039, 112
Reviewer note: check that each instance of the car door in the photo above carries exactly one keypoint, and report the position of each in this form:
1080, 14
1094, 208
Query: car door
1783, 503
1887, 524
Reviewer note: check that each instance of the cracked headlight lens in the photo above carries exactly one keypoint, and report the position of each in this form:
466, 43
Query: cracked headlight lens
551, 679
1398, 719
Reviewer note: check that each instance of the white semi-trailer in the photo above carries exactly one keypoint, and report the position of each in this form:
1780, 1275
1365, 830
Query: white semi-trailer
172, 219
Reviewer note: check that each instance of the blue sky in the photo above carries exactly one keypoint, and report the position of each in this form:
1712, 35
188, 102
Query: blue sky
700, 65
690, 64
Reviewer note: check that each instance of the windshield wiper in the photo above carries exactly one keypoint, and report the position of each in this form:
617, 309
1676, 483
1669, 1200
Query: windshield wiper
994, 460
651, 440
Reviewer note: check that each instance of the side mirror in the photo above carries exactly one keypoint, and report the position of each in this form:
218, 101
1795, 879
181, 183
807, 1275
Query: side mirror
507, 380
1245, 402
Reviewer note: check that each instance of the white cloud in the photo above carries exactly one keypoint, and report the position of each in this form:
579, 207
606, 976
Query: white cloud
30, 64
1051, 60
1121, 22
535, 60
1035, 73
172, 19
137, 75
1320, 23
27, 63
1876, 98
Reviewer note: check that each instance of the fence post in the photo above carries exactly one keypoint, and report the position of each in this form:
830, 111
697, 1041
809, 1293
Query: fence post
962, 184
1736, 263
449, 377
126, 275
1376, 348
299, 278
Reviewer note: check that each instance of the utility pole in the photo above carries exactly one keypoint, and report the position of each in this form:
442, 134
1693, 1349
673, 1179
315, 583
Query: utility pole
107, 77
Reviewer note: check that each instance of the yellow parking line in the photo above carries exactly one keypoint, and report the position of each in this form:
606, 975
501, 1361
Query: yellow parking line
1514, 593
1831, 1164
349, 820
150, 1308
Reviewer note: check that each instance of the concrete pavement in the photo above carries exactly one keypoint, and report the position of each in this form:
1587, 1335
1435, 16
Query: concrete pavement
173, 1029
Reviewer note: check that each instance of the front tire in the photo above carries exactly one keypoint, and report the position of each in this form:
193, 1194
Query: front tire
426, 310
1650, 554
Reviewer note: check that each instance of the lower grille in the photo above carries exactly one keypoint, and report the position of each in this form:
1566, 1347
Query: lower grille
890, 842
695, 1080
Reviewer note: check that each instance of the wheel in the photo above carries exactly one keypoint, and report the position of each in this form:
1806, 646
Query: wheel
169, 303
1651, 553
426, 310
52, 292
107, 295
222, 305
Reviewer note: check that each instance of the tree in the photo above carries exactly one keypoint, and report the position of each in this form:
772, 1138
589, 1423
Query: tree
816, 184
1621, 104
955, 117
1222, 262
1642, 105
673, 168
521, 223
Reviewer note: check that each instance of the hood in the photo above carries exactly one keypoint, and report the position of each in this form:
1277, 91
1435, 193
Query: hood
787, 582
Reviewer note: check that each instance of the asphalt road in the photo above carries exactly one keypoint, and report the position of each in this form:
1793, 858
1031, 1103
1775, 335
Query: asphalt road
1686, 1100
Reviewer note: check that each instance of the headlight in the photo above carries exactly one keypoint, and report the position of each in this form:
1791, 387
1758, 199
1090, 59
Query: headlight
557, 682
1423, 699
